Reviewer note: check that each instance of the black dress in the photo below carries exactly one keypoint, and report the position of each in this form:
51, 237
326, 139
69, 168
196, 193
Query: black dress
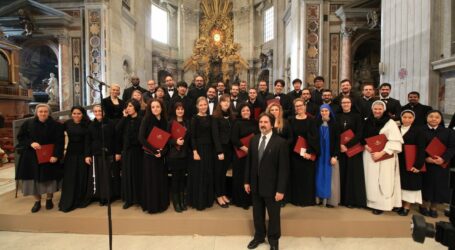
107, 176
409, 180
436, 179
221, 131
132, 155
112, 111
352, 177
177, 159
200, 173
76, 171
241, 129
302, 171
155, 193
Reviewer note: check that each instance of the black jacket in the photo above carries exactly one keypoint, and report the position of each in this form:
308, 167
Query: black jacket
129, 91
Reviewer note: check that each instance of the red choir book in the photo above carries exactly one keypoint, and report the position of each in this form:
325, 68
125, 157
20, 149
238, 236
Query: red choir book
301, 143
157, 138
177, 130
410, 153
45, 153
245, 142
274, 100
436, 148
257, 112
377, 144
347, 136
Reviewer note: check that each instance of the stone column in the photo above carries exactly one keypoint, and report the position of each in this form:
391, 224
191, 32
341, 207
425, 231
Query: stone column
64, 76
346, 53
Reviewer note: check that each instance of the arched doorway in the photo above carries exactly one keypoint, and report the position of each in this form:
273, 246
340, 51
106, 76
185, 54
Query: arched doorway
365, 63
37, 60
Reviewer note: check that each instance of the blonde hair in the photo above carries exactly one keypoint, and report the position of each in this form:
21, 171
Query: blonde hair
43, 105
143, 104
279, 121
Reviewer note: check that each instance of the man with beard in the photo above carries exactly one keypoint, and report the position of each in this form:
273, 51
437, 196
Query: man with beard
311, 108
327, 98
235, 99
419, 109
170, 87
134, 86
367, 99
393, 105
243, 90
198, 89
220, 89
346, 90
316, 94
211, 99
263, 92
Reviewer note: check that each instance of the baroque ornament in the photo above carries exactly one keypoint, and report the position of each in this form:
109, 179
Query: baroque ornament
215, 45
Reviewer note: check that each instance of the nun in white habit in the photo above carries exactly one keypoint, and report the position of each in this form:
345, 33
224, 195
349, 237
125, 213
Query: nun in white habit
382, 178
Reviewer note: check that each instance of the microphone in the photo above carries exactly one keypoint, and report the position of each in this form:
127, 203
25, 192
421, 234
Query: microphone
98, 81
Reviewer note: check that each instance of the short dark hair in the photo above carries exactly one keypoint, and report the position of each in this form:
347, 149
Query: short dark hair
367, 84
280, 81
326, 90
235, 84
318, 78
297, 80
346, 80
270, 116
182, 84
386, 84
211, 87
414, 93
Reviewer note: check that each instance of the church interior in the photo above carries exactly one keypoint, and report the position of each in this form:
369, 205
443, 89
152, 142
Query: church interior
51, 50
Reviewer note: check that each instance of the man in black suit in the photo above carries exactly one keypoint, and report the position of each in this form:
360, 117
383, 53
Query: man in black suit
297, 92
181, 97
311, 108
346, 90
419, 109
285, 100
393, 106
367, 99
129, 91
170, 87
263, 92
149, 94
197, 90
220, 89
235, 98
255, 103
316, 94
243, 90
266, 177
211, 99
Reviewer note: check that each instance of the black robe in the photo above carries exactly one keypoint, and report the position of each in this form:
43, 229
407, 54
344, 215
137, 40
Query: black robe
352, 177
393, 108
420, 112
221, 131
365, 106
409, 180
436, 179
112, 111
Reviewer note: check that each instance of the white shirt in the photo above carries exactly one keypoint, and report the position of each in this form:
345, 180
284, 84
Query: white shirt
211, 106
404, 129
267, 139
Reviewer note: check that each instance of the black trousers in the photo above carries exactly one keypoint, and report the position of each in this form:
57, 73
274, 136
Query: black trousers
260, 204
221, 168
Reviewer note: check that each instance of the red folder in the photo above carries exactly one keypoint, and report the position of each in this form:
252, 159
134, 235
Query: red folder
410, 153
274, 100
301, 143
45, 153
245, 142
177, 130
436, 148
257, 112
377, 144
157, 138
347, 136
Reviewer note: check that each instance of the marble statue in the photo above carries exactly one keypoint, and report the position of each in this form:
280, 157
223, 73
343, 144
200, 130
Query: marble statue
52, 89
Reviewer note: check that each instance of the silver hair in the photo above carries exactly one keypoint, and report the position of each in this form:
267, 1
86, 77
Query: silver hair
379, 102
43, 105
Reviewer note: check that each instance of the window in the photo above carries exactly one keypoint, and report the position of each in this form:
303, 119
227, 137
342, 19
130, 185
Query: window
268, 24
160, 24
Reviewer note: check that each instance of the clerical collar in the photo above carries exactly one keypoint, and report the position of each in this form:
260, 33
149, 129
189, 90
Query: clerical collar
430, 127
367, 98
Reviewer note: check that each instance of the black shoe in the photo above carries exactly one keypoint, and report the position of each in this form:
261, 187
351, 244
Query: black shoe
377, 212
49, 204
273, 247
423, 211
329, 206
176, 203
183, 201
433, 213
396, 209
246, 207
255, 243
350, 206
127, 205
36, 207
403, 212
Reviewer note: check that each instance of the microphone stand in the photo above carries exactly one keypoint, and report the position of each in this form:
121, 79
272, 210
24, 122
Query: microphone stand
103, 158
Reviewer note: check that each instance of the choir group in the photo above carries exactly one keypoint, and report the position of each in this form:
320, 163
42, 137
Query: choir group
358, 151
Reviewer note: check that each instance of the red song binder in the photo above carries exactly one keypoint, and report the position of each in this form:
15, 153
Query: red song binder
274, 100
347, 136
157, 138
45, 153
245, 142
177, 130
436, 148
410, 153
377, 144
301, 143
257, 112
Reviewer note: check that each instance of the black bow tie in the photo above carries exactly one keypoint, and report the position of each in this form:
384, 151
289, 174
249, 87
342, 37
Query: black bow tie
171, 90
220, 93
211, 101
234, 100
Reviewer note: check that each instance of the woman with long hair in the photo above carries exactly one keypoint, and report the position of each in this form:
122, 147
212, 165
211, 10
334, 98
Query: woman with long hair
132, 154
40, 178
222, 121
200, 172
76, 171
302, 175
178, 157
155, 196
245, 125
137, 95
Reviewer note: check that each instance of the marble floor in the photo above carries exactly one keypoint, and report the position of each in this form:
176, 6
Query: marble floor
50, 241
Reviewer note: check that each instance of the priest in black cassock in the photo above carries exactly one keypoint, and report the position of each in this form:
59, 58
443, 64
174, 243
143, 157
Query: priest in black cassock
285, 100
311, 108
297, 92
393, 105
346, 90
316, 93
419, 109
367, 99
263, 92
197, 89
